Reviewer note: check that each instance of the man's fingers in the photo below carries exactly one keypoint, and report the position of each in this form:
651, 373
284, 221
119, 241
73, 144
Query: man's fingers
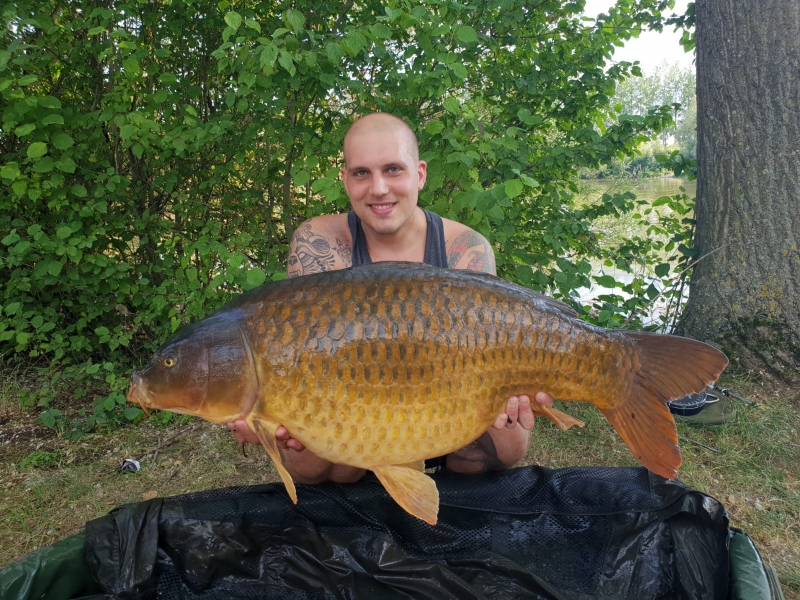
501, 421
512, 410
545, 399
525, 416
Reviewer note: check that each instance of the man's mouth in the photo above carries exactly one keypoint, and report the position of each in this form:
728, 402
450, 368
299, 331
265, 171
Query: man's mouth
382, 207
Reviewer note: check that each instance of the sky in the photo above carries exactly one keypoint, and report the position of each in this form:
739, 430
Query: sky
651, 48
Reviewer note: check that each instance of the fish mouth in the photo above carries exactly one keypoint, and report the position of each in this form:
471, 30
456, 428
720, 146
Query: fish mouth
138, 393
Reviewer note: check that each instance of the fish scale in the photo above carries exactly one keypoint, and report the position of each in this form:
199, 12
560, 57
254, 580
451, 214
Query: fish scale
382, 366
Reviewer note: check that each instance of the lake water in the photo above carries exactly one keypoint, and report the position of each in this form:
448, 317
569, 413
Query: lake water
614, 228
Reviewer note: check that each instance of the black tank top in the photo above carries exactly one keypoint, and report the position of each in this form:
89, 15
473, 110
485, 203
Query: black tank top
435, 250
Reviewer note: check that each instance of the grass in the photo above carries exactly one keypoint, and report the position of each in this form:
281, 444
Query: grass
50, 485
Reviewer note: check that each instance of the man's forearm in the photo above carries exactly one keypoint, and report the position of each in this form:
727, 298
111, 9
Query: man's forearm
494, 450
309, 469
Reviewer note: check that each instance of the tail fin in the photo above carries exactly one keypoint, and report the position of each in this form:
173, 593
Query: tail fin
671, 367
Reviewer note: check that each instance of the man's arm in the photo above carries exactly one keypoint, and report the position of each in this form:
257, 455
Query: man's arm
319, 245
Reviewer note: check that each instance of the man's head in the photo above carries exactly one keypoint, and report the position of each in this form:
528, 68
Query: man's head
382, 123
383, 174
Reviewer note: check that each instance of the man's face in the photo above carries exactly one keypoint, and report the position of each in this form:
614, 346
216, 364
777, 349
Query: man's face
382, 179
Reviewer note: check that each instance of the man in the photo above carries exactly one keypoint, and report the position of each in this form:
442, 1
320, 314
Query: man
383, 176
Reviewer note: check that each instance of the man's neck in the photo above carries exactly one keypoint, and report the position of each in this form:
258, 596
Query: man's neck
407, 243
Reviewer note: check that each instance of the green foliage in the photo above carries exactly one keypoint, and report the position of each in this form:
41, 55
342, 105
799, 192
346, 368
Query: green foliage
156, 158
41, 459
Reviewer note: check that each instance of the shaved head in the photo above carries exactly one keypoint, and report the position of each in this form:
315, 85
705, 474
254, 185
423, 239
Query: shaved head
382, 123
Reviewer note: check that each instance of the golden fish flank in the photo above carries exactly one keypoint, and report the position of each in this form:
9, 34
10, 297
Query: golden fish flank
381, 367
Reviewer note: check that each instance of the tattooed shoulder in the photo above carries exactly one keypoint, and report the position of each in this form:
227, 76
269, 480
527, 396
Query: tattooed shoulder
312, 252
470, 250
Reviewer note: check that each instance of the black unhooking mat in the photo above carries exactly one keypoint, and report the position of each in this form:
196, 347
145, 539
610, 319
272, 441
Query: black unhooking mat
524, 533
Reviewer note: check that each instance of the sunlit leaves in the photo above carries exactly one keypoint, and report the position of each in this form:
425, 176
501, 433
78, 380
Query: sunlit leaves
37, 149
466, 34
294, 20
234, 20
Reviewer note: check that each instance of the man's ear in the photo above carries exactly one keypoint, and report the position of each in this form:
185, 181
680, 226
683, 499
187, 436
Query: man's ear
422, 172
343, 175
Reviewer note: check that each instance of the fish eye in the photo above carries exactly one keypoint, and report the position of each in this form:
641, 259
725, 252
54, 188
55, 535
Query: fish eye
169, 362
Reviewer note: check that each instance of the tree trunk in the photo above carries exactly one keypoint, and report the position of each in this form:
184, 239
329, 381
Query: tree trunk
745, 297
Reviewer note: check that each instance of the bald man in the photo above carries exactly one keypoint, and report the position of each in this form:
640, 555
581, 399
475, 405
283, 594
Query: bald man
383, 177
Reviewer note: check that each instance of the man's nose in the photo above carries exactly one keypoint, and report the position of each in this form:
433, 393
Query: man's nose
379, 187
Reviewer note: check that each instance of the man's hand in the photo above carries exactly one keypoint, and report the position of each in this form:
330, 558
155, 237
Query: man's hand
244, 435
519, 412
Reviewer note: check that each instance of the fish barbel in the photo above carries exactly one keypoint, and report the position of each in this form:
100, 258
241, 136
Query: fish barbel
383, 366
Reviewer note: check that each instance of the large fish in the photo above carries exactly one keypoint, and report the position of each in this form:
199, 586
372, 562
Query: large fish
380, 367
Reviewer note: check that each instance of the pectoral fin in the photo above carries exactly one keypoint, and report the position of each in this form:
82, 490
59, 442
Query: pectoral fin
265, 430
412, 490
563, 420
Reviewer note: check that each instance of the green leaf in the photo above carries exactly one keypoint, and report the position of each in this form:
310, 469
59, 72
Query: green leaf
285, 60
381, 31
322, 184
37, 321
255, 277
435, 126
459, 70
513, 188
62, 141
43, 165
10, 171
53, 119
662, 270
252, 24
37, 149
66, 164
132, 413
334, 51
79, 191
49, 102
5, 56
234, 20
606, 281
64, 232
24, 130
100, 331
27, 80
269, 54
54, 268
294, 20
452, 105
466, 34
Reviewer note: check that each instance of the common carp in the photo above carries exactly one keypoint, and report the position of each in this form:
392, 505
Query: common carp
383, 366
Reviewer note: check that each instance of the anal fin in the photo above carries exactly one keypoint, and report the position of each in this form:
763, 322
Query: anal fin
414, 491
265, 430
562, 419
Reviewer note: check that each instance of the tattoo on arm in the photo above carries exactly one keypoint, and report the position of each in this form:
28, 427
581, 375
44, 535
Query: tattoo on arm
475, 247
312, 253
